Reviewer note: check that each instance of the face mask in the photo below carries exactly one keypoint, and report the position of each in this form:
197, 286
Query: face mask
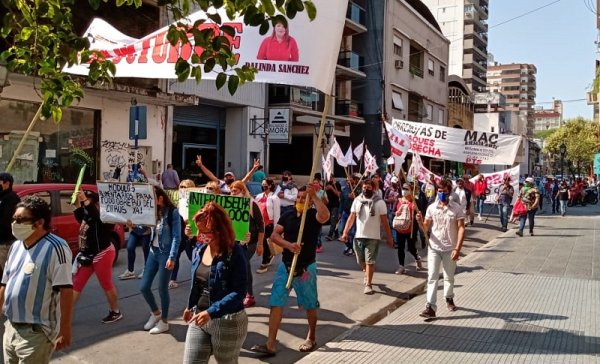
205, 238
405, 193
228, 181
368, 193
22, 231
442, 196
264, 188
284, 178
300, 207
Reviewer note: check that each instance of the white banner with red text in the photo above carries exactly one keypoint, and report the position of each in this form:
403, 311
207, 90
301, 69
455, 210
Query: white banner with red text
302, 53
496, 179
459, 145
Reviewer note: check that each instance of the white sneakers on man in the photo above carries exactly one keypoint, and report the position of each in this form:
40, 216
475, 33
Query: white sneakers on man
160, 327
152, 321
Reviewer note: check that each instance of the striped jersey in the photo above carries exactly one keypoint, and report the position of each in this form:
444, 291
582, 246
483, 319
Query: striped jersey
32, 278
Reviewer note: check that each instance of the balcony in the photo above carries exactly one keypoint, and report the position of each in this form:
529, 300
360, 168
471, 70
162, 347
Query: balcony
355, 20
415, 70
300, 97
349, 66
348, 108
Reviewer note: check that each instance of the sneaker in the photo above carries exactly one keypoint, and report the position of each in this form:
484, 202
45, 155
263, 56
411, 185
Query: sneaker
400, 270
450, 304
471, 222
320, 249
503, 229
127, 275
349, 252
531, 233
262, 269
479, 217
152, 321
519, 232
160, 327
173, 284
329, 238
141, 274
112, 317
271, 260
249, 301
428, 312
368, 289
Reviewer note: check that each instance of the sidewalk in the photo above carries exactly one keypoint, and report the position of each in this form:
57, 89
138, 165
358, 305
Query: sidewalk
525, 300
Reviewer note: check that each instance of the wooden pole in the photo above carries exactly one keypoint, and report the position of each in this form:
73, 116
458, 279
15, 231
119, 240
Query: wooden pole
307, 201
36, 117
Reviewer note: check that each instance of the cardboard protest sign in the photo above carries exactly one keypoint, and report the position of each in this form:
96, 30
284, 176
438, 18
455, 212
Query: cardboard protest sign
180, 199
238, 209
120, 202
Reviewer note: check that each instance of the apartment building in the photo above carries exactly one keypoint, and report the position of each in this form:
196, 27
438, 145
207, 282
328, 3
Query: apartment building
464, 23
517, 82
551, 118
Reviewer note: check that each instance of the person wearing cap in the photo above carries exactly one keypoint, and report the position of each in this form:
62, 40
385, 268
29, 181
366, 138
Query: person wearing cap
224, 184
504, 198
287, 192
530, 196
95, 245
8, 204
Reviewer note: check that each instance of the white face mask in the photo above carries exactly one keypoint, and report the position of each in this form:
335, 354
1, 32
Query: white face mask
22, 231
405, 192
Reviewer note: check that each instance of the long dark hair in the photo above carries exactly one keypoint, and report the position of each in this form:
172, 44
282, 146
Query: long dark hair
166, 200
219, 223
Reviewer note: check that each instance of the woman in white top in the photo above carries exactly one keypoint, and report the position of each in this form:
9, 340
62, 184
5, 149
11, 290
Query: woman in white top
270, 209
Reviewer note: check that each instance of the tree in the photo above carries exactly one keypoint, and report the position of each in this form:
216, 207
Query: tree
41, 42
580, 136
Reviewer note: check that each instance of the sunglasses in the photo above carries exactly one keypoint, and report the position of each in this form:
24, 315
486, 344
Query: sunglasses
21, 219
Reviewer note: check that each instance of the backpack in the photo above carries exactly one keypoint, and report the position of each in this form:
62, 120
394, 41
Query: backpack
403, 222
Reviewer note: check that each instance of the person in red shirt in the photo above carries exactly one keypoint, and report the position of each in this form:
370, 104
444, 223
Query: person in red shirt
469, 186
480, 189
280, 46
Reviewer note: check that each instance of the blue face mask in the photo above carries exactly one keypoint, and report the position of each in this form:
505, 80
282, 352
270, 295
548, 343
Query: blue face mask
442, 196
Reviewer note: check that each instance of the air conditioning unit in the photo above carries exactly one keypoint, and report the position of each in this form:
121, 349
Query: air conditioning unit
399, 64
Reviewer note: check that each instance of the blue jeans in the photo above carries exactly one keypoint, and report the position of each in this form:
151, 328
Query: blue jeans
531, 216
156, 264
390, 216
504, 214
480, 201
284, 209
351, 232
334, 217
563, 206
132, 243
186, 247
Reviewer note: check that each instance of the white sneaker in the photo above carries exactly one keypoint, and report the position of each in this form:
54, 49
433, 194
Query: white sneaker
368, 289
400, 270
127, 275
479, 217
152, 321
160, 327
141, 274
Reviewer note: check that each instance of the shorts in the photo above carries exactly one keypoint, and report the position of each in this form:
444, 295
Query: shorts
102, 266
304, 285
366, 250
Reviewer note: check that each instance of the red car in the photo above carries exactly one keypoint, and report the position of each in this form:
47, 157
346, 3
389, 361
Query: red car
58, 195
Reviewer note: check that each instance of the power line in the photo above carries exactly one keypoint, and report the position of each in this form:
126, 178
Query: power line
563, 101
524, 14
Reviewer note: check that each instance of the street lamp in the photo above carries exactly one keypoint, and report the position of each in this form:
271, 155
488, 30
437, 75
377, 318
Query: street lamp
563, 150
328, 132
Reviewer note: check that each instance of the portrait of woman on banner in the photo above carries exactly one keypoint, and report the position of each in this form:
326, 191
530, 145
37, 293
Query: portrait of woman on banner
279, 46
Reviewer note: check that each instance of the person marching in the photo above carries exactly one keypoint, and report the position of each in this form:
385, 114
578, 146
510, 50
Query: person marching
405, 224
504, 198
530, 196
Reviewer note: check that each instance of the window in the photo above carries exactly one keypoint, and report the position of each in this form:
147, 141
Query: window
397, 46
429, 112
442, 73
493, 129
441, 117
397, 101
430, 67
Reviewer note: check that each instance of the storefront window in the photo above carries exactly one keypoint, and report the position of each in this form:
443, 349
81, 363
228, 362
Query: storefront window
53, 152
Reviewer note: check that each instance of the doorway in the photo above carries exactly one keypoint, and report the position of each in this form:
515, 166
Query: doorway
208, 153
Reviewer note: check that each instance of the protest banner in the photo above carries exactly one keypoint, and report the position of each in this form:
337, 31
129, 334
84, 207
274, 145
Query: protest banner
460, 145
308, 59
238, 209
496, 179
120, 202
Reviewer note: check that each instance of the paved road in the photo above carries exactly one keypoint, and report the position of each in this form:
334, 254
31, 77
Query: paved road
522, 300
344, 306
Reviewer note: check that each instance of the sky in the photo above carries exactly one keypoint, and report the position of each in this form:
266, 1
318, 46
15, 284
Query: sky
558, 40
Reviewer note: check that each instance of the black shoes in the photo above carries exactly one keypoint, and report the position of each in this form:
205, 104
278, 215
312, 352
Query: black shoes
450, 304
112, 317
519, 232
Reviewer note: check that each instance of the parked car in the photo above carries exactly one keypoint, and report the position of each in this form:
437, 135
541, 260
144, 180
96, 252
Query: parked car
58, 195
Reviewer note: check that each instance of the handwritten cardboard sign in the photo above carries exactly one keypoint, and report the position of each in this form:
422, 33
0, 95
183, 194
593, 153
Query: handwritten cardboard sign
238, 209
120, 202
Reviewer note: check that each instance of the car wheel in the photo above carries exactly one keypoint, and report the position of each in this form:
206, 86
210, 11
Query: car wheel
115, 242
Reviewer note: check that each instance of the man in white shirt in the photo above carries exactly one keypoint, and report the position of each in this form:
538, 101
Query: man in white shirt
287, 192
372, 214
447, 221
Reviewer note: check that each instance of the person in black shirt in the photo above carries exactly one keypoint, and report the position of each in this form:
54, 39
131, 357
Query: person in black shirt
8, 205
304, 283
333, 189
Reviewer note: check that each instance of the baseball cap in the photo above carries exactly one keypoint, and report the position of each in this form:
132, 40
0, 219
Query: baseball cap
229, 174
529, 179
394, 179
6, 177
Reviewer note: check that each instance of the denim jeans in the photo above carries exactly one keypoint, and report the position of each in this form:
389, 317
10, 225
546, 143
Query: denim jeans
156, 264
435, 259
351, 232
563, 206
334, 218
531, 216
187, 247
390, 215
504, 214
480, 201
132, 243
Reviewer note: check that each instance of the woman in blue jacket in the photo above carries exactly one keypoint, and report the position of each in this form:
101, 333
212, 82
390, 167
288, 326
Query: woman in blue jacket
215, 312
161, 260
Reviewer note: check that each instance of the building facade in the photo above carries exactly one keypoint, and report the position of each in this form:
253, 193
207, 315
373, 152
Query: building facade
464, 23
548, 119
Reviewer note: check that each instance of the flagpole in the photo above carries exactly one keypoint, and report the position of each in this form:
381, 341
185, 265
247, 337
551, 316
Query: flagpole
306, 201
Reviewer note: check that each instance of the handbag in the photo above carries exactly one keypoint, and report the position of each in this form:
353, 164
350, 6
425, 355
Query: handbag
85, 259
519, 208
